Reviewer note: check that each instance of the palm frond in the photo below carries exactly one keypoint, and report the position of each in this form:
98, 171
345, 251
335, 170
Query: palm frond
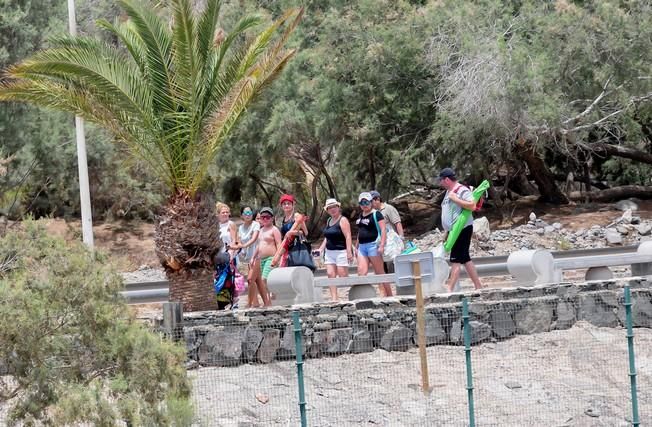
173, 92
158, 44
126, 34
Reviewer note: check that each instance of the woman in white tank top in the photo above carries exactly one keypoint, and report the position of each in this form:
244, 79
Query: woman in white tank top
227, 228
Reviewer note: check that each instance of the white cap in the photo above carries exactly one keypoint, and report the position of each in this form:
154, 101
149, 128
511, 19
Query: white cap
365, 196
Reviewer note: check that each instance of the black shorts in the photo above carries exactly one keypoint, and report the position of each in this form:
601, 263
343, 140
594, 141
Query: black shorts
460, 251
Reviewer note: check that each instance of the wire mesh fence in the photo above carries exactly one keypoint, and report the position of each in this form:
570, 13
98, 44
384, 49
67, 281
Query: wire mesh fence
549, 360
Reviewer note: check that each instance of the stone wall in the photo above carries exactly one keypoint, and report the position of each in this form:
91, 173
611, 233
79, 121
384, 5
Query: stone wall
265, 335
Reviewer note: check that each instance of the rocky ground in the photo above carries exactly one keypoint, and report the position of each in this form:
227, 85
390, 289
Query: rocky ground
580, 380
624, 228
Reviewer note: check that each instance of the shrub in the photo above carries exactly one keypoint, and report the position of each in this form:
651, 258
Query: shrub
71, 349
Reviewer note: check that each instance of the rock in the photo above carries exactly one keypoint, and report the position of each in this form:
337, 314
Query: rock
455, 333
337, 341
262, 398
481, 229
221, 348
624, 205
635, 220
323, 326
565, 315
190, 364
548, 229
480, 331
591, 412
533, 216
435, 333
252, 339
626, 217
503, 324
644, 229
533, 319
512, 385
397, 337
557, 225
599, 310
642, 311
288, 345
613, 237
269, 345
540, 231
622, 229
362, 342
192, 342
342, 321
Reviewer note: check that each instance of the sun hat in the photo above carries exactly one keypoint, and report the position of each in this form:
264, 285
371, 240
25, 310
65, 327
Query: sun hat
267, 210
331, 202
365, 196
374, 194
286, 198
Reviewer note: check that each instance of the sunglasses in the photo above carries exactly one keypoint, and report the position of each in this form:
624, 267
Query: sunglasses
248, 213
365, 203
265, 217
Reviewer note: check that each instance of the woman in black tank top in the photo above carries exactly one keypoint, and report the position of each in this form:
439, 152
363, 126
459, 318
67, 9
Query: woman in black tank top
337, 246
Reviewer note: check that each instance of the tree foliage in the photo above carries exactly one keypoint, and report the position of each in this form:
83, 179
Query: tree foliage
71, 349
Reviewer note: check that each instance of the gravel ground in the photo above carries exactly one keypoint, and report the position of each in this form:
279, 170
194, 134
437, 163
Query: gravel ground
577, 377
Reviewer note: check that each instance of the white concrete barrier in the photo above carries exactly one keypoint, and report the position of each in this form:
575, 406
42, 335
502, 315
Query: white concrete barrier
293, 285
598, 273
531, 267
643, 269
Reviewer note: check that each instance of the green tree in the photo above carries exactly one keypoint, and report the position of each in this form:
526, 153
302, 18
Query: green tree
70, 351
171, 96
351, 112
542, 87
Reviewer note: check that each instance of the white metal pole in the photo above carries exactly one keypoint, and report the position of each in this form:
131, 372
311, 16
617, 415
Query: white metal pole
82, 163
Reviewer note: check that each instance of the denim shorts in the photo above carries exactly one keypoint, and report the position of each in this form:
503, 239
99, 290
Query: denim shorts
368, 249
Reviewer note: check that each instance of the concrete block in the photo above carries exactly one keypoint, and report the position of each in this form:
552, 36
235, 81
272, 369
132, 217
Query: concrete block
293, 285
645, 248
531, 267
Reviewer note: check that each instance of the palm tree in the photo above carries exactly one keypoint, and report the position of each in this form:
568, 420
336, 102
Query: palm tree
170, 92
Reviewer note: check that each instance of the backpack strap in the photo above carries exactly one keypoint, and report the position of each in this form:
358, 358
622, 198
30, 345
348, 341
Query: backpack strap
376, 222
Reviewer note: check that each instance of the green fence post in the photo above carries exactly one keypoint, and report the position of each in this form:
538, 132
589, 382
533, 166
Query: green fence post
297, 343
467, 351
630, 348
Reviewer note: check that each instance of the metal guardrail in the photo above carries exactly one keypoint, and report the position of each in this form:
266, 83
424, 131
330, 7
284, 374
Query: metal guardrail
157, 291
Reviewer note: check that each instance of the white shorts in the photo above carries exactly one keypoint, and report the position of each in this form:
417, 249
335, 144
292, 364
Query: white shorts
336, 257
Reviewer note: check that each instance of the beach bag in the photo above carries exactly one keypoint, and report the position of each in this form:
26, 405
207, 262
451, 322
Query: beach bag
224, 279
240, 283
299, 254
393, 243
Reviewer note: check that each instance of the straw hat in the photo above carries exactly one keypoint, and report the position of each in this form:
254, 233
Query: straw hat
331, 202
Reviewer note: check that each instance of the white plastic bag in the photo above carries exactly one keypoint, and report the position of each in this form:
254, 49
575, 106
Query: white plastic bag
439, 251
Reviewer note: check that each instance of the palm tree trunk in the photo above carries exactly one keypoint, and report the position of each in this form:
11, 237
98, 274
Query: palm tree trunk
193, 288
187, 239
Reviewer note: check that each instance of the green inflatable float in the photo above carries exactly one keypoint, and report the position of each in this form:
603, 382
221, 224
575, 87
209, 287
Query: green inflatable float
464, 216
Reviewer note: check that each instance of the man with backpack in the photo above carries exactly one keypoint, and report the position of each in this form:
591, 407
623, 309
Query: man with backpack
458, 197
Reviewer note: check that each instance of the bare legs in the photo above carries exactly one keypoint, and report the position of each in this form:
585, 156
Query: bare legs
455, 275
331, 272
257, 286
335, 271
379, 268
